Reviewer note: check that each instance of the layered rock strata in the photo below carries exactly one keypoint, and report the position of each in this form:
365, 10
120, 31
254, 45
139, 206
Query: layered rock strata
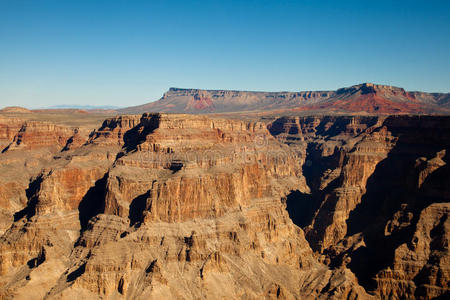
182, 206
167, 206
379, 201
26, 148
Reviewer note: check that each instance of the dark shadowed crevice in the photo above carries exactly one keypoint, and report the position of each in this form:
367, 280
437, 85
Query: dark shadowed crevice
38, 260
67, 145
277, 127
300, 207
138, 134
175, 166
377, 207
151, 266
93, 202
444, 296
316, 164
293, 130
6, 148
32, 196
120, 285
77, 273
137, 207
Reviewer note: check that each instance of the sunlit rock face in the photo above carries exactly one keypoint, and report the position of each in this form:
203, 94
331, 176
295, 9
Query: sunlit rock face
185, 206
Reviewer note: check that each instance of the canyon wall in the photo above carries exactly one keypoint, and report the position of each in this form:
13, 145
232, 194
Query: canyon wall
27, 147
379, 198
183, 206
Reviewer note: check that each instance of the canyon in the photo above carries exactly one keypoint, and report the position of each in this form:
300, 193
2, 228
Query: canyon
291, 204
221, 150
185, 206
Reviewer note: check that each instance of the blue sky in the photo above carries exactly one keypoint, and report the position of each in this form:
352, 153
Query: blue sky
130, 52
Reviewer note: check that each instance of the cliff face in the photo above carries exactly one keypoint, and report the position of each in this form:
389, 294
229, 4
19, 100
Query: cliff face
182, 206
379, 201
27, 147
367, 98
8, 129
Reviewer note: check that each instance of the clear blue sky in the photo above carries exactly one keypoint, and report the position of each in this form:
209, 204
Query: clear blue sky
129, 52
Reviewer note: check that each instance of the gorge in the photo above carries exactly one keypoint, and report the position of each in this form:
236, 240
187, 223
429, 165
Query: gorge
161, 205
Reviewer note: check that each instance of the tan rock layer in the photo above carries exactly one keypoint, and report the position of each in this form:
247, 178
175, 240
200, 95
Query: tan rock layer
178, 206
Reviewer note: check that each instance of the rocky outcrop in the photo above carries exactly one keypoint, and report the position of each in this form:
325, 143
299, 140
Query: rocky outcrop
28, 147
9, 127
33, 135
420, 264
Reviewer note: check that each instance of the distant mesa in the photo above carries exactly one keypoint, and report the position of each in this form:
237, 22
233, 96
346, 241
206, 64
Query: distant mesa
15, 109
362, 98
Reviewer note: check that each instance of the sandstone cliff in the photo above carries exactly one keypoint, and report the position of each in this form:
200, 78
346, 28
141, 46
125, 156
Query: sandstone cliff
167, 205
182, 206
379, 201
27, 147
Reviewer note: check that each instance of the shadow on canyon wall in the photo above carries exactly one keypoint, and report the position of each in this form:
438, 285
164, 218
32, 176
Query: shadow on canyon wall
93, 202
392, 188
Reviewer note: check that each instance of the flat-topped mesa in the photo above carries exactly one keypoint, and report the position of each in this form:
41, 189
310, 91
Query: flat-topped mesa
185, 121
364, 87
214, 101
363, 98
371, 88
376, 86
246, 98
236, 93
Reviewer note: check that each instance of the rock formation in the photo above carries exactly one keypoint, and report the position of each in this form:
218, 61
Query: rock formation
27, 147
184, 206
379, 201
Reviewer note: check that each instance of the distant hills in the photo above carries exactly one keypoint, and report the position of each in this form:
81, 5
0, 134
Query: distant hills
363, 98
85, 107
